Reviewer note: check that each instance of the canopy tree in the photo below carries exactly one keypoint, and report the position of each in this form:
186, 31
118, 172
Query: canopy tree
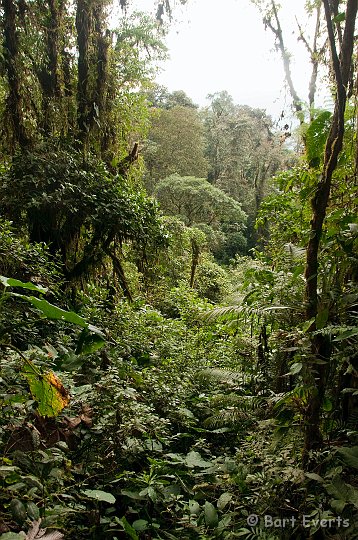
175, 144
68, 75
243, 151
199, 203
159, 97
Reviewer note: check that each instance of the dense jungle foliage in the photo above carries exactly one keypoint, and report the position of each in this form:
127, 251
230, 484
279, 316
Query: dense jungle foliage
178, 288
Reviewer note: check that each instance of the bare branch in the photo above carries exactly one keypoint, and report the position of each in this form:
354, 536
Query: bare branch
297, 102
303, 38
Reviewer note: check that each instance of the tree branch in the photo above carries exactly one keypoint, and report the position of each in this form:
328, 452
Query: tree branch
277, 31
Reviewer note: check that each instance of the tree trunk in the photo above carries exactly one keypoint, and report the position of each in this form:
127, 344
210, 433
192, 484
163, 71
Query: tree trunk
83, 27
48, 72
194, 261
320, 344
14, 100
102, 45
118, 269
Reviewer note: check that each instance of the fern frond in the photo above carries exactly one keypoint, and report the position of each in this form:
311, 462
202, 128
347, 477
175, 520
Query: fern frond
352, 421
236, 408
300, 394
232, 312
340, 333
221, 313
294, 251
222, 375
225, 400
277, 308
244, 403
228, 417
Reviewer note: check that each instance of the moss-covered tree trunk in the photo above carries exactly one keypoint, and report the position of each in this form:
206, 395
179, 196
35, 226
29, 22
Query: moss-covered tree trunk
15, 105
83, 27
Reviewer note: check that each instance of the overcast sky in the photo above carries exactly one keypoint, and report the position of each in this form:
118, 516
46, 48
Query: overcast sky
222, 45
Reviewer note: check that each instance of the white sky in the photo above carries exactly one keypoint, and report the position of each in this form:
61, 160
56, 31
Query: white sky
219, 45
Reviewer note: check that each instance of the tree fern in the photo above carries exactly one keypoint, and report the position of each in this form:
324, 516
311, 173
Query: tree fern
233, 312
229, 409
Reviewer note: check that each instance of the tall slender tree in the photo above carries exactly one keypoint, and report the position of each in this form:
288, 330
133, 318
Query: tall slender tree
321, 347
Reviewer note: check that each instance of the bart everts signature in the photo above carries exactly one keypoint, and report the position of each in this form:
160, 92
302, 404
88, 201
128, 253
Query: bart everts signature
306, 521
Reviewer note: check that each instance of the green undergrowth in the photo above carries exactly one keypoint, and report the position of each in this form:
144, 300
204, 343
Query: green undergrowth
173, 430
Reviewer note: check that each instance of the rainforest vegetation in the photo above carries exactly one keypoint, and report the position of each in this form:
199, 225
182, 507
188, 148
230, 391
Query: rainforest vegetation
178, 287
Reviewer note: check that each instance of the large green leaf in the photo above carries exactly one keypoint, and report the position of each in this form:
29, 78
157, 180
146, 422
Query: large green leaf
223, 500
314, 476
194, 507
48, 310
316, 137
53, 312
350, 455
89, 342
322, 318
340, 17
194, 459
342, 492
46, 389
132, 494
296, 368
128, 529
11, 282
91, 339
327, 404
140, 525
99, 495
211, 515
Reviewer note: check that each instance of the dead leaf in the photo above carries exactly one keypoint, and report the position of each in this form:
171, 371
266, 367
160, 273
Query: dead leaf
85, 417
56, 383
35, 533
73, 422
